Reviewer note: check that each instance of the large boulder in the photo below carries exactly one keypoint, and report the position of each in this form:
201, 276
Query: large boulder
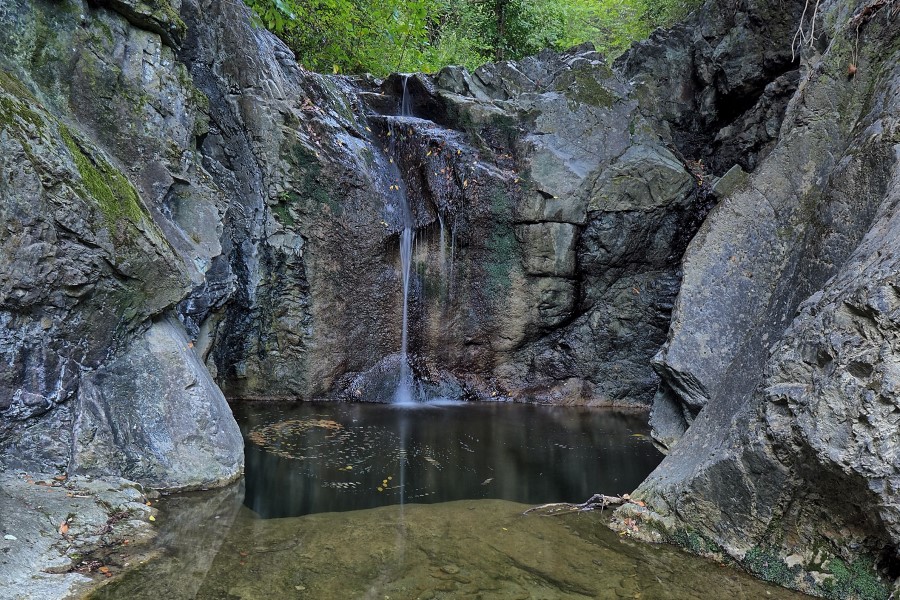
779, 363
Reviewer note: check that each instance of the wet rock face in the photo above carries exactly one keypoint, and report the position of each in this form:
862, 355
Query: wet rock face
601, 216
190, 172
780, 356
99, 125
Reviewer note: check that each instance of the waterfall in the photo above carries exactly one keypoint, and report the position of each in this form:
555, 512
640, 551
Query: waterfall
442, 250
403, 395
405, 104
404, 391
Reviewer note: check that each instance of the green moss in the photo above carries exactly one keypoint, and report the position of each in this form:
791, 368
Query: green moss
14, 113
769, 566
113, 193
282, 209
693, 541
502, 246
859, 580
583, 88
308, 170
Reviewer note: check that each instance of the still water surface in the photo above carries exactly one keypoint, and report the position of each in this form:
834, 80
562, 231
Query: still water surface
324, 457
309, 520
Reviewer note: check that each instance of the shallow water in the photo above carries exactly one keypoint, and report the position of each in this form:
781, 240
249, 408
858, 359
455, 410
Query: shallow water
221, 545
321, 457
483, 549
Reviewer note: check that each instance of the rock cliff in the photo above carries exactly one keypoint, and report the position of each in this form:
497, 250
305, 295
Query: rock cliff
706, 228
777, 397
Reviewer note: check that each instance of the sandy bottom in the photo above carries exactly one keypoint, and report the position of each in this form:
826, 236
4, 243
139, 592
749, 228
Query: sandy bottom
214, 548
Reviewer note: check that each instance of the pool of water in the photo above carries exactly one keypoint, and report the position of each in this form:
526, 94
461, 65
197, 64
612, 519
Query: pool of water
324, 457
374, 502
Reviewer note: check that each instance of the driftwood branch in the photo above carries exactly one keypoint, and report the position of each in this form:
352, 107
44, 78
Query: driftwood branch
596, 501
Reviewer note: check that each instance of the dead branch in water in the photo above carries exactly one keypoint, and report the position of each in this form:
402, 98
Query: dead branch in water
596, 501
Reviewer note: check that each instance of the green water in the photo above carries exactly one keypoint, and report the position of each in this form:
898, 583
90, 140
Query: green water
464, 549
374, 502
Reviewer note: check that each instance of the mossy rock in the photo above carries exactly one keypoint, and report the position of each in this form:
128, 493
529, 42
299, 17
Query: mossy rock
859, 579
113, 193
582, 87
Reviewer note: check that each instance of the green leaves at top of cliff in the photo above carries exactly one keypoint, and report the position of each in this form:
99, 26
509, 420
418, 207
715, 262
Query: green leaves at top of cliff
383, 36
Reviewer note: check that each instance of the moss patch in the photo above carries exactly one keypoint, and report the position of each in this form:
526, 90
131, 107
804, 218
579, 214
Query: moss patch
769, 566
502, 246
856, 580
694, 542
282, 209
114, 194
14, 110
584, 88
308, 169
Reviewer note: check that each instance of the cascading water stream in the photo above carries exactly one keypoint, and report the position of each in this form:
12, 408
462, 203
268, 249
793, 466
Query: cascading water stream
403, 394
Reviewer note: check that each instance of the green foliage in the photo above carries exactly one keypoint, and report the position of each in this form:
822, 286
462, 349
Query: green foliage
382, 36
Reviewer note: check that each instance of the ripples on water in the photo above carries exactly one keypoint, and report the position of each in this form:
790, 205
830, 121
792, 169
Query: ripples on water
446, 523
317, 457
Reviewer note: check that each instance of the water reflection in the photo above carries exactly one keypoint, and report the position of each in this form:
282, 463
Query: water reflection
323, 457
320, 458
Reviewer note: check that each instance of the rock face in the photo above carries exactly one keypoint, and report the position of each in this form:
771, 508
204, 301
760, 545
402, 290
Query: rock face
777, 398
99, 123
590, 219
186, 209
